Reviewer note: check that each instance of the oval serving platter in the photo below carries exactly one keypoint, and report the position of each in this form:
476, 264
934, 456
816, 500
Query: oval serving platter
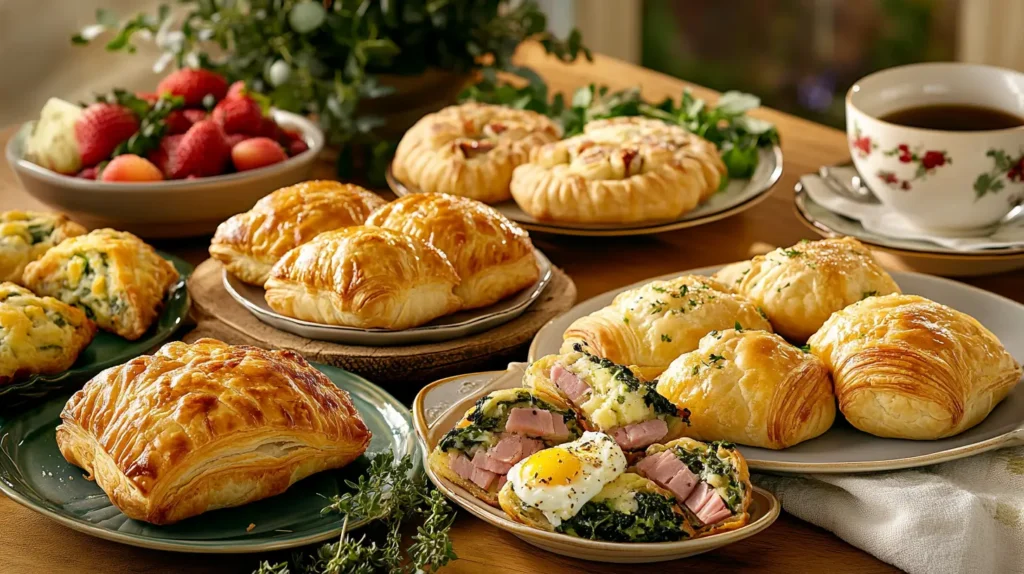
844, 448
739, 195
454, 326
34, 474
441, 404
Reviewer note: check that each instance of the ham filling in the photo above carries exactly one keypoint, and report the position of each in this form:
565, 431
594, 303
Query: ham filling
668, 472
537, 423
639, 435
492, 465
569, 383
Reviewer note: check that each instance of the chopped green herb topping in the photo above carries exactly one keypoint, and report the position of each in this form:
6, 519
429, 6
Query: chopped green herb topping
665, 338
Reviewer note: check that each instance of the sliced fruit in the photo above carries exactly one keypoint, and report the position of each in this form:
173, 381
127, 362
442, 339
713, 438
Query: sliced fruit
256, 152
52, 143
202, 152
129, 167
102, 128
194, 85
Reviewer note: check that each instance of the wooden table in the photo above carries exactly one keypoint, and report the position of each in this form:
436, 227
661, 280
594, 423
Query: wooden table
33, 544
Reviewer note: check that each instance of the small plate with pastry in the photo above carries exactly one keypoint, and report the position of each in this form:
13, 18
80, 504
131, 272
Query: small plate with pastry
843, 368
528, 460
203, 447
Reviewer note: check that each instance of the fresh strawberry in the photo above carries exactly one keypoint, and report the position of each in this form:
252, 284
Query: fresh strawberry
295, 147
88, 173
102, 128
193, 85
202, 152
129, 167
235, 139
150, 97
270, 129
239, 115
255, 153
178, 121
237, 89
162, 155
195, 115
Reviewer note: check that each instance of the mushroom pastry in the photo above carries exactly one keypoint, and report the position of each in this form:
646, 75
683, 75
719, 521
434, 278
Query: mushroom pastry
752, 388
364, 277
198, 427
117, 279
652, 325
622, 170
26, 235
907, 367
493, 256
248, 244
470, 150
801, 286
38, 335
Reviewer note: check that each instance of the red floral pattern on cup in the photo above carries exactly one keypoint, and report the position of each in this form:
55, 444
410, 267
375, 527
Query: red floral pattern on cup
1003, 164
927, 162
862, 143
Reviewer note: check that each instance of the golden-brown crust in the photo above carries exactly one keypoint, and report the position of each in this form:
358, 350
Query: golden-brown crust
907, 367
493, 256
26, 235
250, 243
198, 427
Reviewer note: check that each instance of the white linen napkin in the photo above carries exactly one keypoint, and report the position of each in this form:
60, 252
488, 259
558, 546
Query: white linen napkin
961, 516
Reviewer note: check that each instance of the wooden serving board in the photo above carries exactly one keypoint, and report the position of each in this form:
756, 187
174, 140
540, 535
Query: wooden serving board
399, 369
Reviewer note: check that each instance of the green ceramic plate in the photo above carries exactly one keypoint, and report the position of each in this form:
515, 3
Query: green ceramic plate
106, 349
34, 474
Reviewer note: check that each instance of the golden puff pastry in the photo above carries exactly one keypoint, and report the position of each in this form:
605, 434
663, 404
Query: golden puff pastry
26, 235
752, 388
198, 427
652, 325
119, 281
365, 277
38, 335
248, 244
470, 150
801, 286
907, 367
622, 170
493, 256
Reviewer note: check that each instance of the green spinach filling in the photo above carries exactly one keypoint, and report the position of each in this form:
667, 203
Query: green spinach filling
706, 464
652, 398
484, 427
40, 232
653, 521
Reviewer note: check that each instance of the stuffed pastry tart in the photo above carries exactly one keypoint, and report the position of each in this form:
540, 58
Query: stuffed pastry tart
26, 235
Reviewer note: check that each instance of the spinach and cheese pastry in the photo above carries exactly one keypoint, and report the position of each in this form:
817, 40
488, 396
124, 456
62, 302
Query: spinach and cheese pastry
609, 397
119, 281
248, 244
26, 235
649, 326
38, 335
498, 431
470, 149
198, 427
365, 277
801, 286
907, 367
752, 388
493, 256
582, 489
710, 480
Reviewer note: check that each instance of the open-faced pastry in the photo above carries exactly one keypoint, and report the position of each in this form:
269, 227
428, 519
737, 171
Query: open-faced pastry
501, 429
652, 325
117, 279
248, 244
26, 235
752, 388
493, 256
907, 367
620, 170
198, 427
366, 277
38, 335
470, 149
801, 286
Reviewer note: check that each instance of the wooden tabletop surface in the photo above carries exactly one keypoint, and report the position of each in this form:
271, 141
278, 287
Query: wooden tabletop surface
34, 544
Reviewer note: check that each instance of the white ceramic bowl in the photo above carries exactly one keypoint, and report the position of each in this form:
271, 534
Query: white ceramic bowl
949, 182
175, 208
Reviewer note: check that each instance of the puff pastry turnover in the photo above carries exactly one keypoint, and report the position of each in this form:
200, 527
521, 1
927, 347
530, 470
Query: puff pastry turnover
801, 286
470, 149
26, 235
119, 281
248, 244
493, 256
366, 277
38, 335
204, 426
752, 388
907, 367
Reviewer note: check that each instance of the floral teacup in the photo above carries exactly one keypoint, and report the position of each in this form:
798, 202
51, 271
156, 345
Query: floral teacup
946, 182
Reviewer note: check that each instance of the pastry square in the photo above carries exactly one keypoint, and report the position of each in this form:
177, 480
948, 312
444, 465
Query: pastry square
26, 235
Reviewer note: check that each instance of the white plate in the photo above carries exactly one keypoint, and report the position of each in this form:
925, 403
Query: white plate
441, 404
844, 448
445, 328
739, 195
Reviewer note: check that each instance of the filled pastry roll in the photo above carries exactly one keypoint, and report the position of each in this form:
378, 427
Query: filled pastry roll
500, 430
26, 235
198, 427
752, 388
907, 367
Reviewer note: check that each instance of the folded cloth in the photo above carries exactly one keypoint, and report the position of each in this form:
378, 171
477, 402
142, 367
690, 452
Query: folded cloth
961, 516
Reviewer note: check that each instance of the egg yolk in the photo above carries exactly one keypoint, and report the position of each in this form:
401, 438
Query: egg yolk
553, 466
